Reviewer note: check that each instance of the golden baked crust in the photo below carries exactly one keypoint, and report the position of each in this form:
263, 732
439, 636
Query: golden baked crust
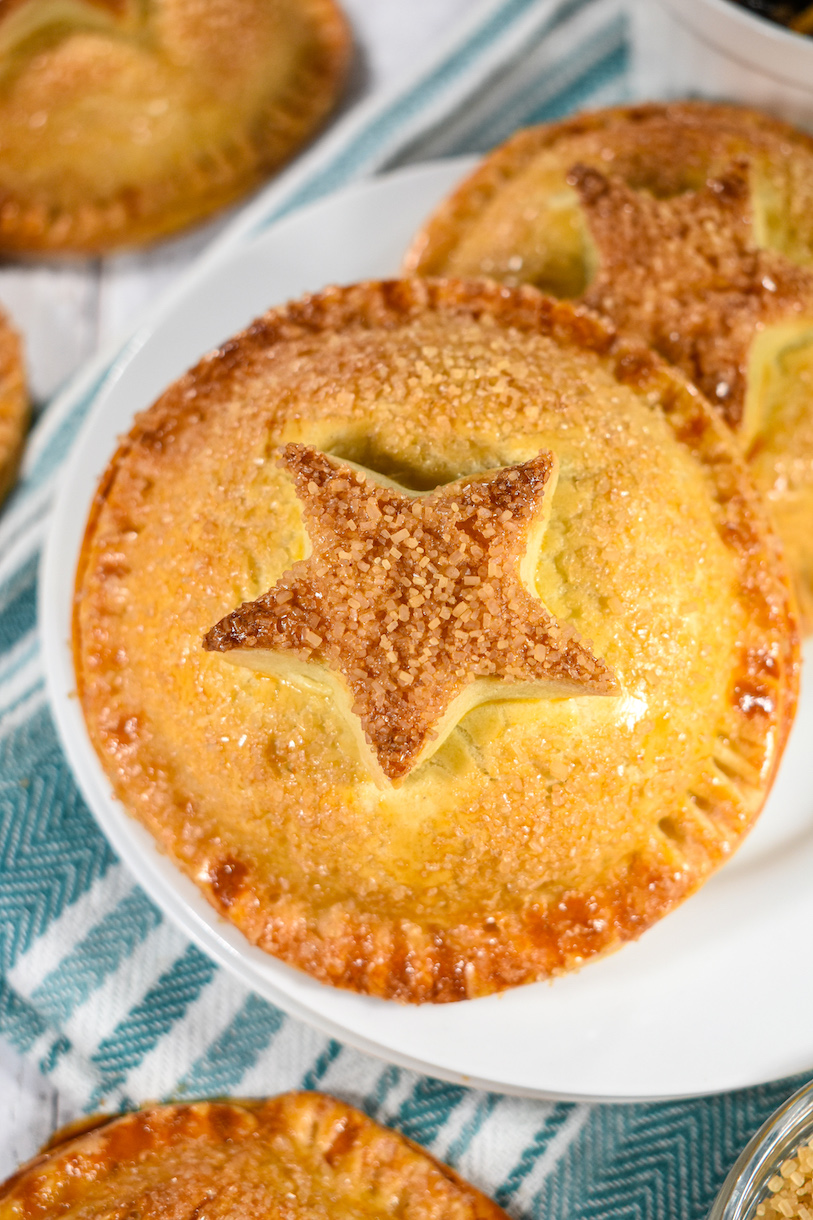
121, 122
541, 833
695, 231
13, 404
298, 1155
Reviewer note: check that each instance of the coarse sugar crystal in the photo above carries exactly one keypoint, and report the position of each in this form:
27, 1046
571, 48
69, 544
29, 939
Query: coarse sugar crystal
791, 1189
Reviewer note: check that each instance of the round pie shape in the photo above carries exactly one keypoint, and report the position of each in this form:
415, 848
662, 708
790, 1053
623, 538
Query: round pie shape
520, 218
13, 404
121, 122
299, 1155
543, 831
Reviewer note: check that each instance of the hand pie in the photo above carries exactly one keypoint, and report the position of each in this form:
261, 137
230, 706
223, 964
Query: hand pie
304, 1156
121, 121
13, 404
499, 654
688, 224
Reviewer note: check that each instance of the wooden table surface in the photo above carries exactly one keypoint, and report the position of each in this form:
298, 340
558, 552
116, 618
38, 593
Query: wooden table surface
66, 312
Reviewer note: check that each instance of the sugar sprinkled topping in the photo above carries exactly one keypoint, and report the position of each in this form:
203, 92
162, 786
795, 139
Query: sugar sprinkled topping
411, 598
686, 274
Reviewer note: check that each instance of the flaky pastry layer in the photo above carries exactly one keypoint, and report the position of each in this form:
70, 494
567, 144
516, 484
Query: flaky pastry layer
636, 210
542, 832
301, 1155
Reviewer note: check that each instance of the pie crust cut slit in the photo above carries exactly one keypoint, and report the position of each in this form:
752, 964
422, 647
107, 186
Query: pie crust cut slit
539, 833
413, 607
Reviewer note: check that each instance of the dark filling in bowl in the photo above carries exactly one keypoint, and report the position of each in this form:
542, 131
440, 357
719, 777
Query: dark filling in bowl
795, 14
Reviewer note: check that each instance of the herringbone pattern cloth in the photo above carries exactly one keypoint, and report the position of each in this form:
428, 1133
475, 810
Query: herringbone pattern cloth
107, 997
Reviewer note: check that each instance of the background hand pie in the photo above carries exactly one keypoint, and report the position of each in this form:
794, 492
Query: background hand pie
122, 121
304, 1156
542, 831
689, 224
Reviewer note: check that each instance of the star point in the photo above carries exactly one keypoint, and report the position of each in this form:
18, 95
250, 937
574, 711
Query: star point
412, 608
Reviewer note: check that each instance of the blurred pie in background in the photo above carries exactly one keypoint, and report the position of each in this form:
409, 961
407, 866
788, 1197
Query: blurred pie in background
301, 1156
122, 121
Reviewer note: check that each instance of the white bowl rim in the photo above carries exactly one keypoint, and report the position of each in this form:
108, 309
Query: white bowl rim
740, 35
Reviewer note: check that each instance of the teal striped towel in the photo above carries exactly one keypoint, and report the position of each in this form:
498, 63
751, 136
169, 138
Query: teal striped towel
108, 998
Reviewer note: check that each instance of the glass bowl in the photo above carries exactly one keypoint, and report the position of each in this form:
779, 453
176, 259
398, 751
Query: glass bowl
747, 1184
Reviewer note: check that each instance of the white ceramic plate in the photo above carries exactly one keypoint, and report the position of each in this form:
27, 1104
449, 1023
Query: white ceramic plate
692, 1007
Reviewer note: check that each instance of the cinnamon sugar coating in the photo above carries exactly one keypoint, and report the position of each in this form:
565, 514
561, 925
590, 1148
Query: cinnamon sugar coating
413, 598
542, 832
302, 1156
669, 242
685, 274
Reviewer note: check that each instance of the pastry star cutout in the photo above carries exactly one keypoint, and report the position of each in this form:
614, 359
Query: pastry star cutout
414, 608
686, 275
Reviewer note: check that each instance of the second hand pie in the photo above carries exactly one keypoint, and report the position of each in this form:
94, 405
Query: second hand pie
688, 224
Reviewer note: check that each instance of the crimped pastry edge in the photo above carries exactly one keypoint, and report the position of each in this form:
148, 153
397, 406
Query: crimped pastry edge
316, 1106
394, 959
